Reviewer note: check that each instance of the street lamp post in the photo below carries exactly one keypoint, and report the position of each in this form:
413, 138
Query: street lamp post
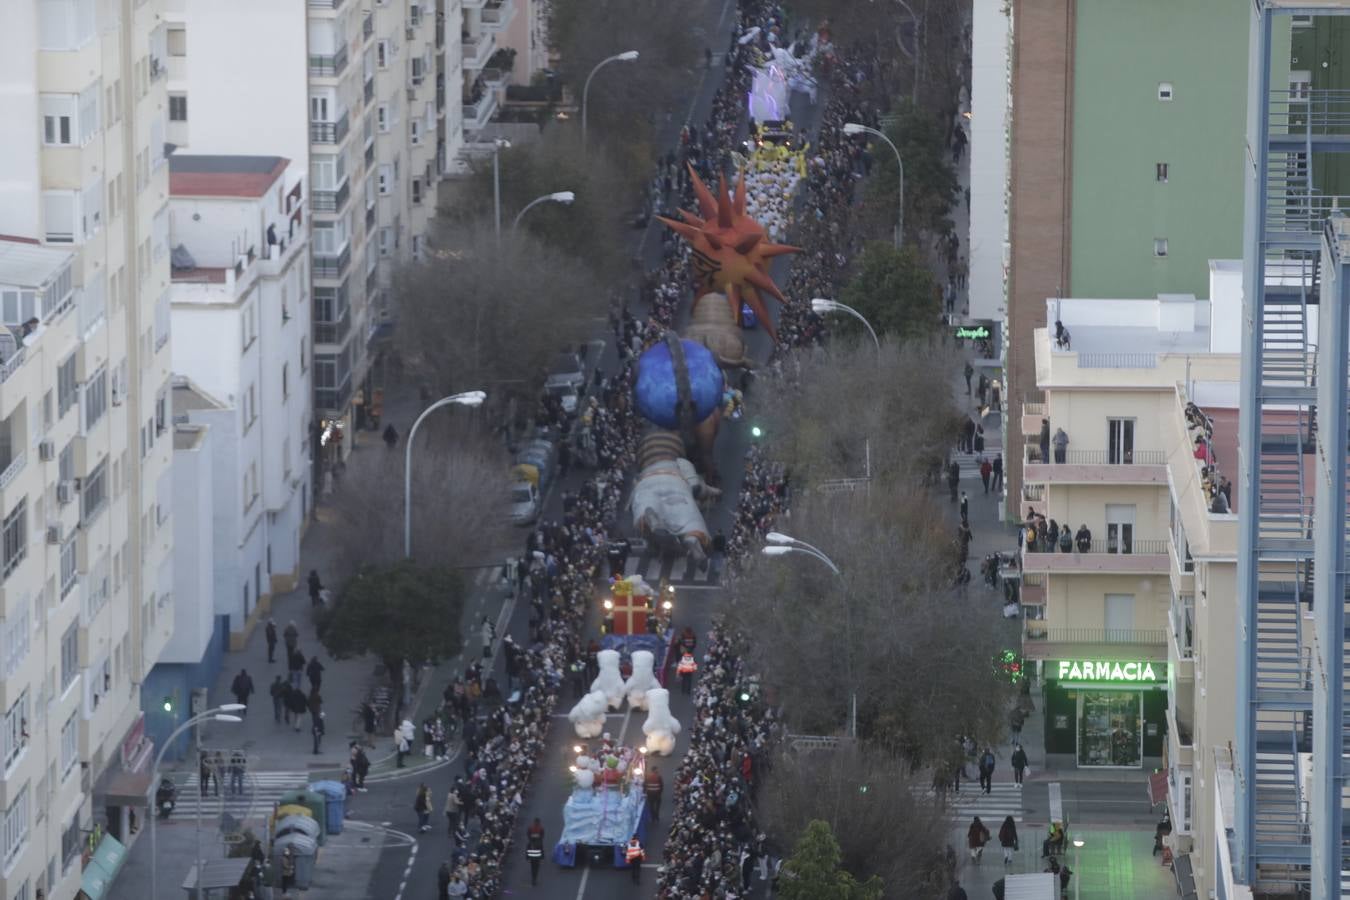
855, 128
1077, 845
556, 197
220, 713
467, 398
626, 56
498, 146
780, 545
822, 306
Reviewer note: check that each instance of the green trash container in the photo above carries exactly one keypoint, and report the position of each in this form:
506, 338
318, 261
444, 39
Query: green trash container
316, 804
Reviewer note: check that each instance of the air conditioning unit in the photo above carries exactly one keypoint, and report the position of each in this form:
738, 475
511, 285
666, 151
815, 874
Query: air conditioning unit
65, 492
53, 534
46, 451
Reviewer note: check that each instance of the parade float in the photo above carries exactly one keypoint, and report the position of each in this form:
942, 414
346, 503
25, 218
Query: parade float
606, 806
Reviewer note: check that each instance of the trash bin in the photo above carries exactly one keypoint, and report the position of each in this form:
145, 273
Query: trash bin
297, 825
306, 853
315, 803
335, 811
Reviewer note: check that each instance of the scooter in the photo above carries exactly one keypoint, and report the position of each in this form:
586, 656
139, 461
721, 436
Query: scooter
166, 797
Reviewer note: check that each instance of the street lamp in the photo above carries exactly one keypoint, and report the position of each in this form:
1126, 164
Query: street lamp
822, 306
855, 128
222, 713
467, 398
1077, 845
498, 146
626, 56
780, 545
557, 197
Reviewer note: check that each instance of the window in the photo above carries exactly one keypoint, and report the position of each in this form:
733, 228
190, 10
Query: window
15, 537
163, 314
303, 364
94, 492
58, 211
91, 210
417, 246
16, 636
1161, 172
385, 178
70, 655
415, 130
15, 736
176, 40
66, 389
386, 240
58, 119
95, 398
417, 190
68, 570
382, 54
15, 829
382, 118
1160, 246
416, 69
177, 108
65, 24
70, 842
1300, 83
285, 380
66, 464
89, 118
70, 745
1165, 91
17, 307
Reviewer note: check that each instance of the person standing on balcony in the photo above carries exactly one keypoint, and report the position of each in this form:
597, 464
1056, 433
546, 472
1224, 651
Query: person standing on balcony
1083, 539
1061, 445
1044, 440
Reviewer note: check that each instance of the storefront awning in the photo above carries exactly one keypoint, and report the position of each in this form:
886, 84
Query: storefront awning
127, 789
103, 867
1157, 788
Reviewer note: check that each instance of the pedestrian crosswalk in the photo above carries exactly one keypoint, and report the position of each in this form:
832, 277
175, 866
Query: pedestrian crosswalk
261, 792
1004, 799
681, 572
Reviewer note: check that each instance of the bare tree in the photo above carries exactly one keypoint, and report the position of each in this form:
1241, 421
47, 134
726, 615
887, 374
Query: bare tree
886, 821
834, 407
919, 655
478, 316
459, 500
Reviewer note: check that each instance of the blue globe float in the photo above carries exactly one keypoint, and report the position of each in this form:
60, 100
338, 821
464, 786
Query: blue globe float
657, 394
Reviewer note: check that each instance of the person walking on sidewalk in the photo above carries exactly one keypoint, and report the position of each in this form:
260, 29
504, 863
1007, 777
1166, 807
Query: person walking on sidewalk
998, 473
452, 806
1015, 719
488, 632
317, 730
242, 688
534, 848
986, 470
965, 507
292, 638
686, 669
422, 806
987, 771
443, 882
315, 588
976, 837
360, 767
1019, 763
653, 786
278, 692
296, 704
954, 478
968, 371
1007, 838
271, 633
295, 666
315, 673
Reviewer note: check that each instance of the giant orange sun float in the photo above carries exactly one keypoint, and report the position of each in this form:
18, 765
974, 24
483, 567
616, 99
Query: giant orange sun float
731, 250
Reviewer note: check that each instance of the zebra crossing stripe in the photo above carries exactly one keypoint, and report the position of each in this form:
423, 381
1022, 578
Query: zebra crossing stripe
261, 791
682, 571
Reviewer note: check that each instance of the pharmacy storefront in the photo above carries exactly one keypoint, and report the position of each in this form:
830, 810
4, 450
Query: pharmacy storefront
1106, 713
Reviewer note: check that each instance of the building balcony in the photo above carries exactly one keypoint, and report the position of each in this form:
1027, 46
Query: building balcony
497, 15
1032, 413
478, 115
332, 401
1180, 738
1127, 557
368, 25
475, 52
369, 90
328, 132
495, 79
473, 4
1096, 467
332, 265
334, 333
328, 66
325, 4
12, 364
1042, 641
331, 201
1032, 590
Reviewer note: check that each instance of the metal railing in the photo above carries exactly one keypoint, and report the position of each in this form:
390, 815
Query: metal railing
332, 265
1117, 547
1030, 408
333, 332
325, 4
1101, 360
12, 470
334, 399
368, 25
1039, 631
331, 201
328, 132
1126, 457
11, 365
1181, 613
328, 66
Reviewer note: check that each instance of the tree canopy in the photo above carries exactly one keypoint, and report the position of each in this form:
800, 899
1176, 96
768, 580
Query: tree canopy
396, 612
813, 871
894, 290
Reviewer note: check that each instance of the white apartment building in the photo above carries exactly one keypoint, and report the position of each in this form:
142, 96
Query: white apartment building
86, 584
369, 110
241, 315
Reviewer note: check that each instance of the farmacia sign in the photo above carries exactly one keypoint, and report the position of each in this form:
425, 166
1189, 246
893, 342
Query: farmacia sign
1111, 670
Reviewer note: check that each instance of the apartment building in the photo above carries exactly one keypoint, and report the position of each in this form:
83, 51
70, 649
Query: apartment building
86, 600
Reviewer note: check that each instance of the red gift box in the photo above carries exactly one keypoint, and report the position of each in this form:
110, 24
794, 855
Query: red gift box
629, 611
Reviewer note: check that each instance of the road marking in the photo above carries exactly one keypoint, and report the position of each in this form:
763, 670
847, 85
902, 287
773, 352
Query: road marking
581, 888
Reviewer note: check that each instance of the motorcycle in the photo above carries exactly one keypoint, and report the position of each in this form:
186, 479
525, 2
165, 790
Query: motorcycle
166, 797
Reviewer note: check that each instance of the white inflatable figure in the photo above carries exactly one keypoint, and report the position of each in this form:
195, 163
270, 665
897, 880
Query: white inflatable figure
642, 680
585, 773
660, 727
609, 680
588, 716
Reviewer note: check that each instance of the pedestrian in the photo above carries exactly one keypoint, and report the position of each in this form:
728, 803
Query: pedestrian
488, 631
368, 722
1007, 838
1019, 763
986, 471
534, 848
443, 882
438, 739
653, 786
998, 473
295, 666
452, 806
296, 704
965, 507
976, 837
987, 771
1082, 539
422, 806
968, 371
278, 692
315, 672
982, 388
292, 638
1061, 442
633, 854
317, 730
1043, 440
390, 436
204, 773
360, 767
978, 445
315, 586
686, 669
287, 871
242, 688
238, 764
1017, 717
271, 633
403, 744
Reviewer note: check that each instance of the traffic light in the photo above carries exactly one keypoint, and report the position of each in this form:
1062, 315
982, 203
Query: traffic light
756, 432
168, 703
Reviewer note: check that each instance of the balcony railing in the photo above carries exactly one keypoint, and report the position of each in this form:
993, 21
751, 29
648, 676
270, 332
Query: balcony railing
1122, 466
11, 365
496, 15
328, 132
1118, 547
368, 25
334, 265
328, 66
1100, 457
331, 201
334, 399
325, 4
333, 332
478, 115
369, 89
1039, 631
12, 470
495, 78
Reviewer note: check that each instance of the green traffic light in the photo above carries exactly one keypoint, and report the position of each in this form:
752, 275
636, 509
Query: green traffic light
168, 705
756, 431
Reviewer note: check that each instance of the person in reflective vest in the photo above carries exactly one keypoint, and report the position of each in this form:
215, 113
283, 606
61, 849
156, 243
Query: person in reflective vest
633, 854
534, 848
686, 669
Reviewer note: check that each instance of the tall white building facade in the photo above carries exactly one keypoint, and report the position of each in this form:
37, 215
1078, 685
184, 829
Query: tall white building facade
85, 491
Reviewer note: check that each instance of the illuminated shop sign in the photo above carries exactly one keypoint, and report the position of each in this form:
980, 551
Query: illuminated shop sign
971, 332
1112, 671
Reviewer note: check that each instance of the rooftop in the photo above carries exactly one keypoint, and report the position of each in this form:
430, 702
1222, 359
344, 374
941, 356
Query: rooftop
188, 397
188, 437
1170, 323
223, 176
27, 265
